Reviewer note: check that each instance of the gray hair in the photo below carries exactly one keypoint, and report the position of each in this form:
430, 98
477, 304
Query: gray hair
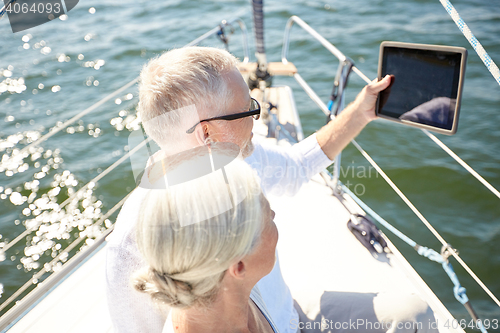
186, 264
178, 79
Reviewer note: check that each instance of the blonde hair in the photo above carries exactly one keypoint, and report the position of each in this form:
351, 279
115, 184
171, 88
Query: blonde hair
187, 263
178, 79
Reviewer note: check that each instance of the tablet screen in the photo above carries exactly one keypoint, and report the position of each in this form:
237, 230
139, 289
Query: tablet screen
425, 87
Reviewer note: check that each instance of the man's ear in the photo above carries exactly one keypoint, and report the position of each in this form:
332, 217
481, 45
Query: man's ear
202, 132
238, 270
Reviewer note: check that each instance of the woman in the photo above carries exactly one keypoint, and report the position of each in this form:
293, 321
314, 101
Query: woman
206, 270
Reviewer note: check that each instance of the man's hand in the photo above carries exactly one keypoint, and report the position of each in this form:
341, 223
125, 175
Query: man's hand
335, 136
364, 104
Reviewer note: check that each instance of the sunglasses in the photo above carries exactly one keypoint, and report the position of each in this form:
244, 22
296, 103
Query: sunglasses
254, 111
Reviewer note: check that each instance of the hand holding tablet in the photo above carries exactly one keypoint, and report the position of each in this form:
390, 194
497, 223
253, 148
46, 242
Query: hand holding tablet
426, 85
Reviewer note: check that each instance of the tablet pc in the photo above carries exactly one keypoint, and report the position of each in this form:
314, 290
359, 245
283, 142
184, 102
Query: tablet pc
426, 87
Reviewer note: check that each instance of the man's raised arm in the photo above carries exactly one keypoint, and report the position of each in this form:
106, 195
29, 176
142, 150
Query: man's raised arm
337, 134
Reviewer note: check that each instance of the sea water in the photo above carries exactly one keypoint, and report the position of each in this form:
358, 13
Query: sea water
52, 72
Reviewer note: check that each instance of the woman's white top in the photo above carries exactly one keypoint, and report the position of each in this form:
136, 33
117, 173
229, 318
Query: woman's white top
255, 296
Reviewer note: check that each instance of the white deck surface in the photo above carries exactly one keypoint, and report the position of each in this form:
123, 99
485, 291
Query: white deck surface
332, 276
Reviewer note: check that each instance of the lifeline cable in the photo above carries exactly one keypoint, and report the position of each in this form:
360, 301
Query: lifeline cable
458, 291
324, 108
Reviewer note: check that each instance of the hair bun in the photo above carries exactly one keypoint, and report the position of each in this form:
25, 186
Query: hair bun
163, 288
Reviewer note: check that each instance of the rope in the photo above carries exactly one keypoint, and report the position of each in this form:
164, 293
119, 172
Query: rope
424, 220
441, 258
421, 250
399, 192
4, 8
41, 272
463, 164
458, 291
481, 52
324, 108
430, 253
379, 219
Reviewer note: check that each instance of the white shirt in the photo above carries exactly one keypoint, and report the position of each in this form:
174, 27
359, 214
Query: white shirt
282, 172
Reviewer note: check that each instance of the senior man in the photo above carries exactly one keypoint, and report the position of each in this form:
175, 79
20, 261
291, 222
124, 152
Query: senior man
206, 82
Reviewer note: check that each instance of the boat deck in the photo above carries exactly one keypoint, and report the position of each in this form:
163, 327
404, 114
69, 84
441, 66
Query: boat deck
334, 278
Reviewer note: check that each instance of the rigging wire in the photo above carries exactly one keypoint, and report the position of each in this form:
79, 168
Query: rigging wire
446, 250
439, 143
426, 223
458, 290
462, 163
101, 175
330, 47
323, 107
